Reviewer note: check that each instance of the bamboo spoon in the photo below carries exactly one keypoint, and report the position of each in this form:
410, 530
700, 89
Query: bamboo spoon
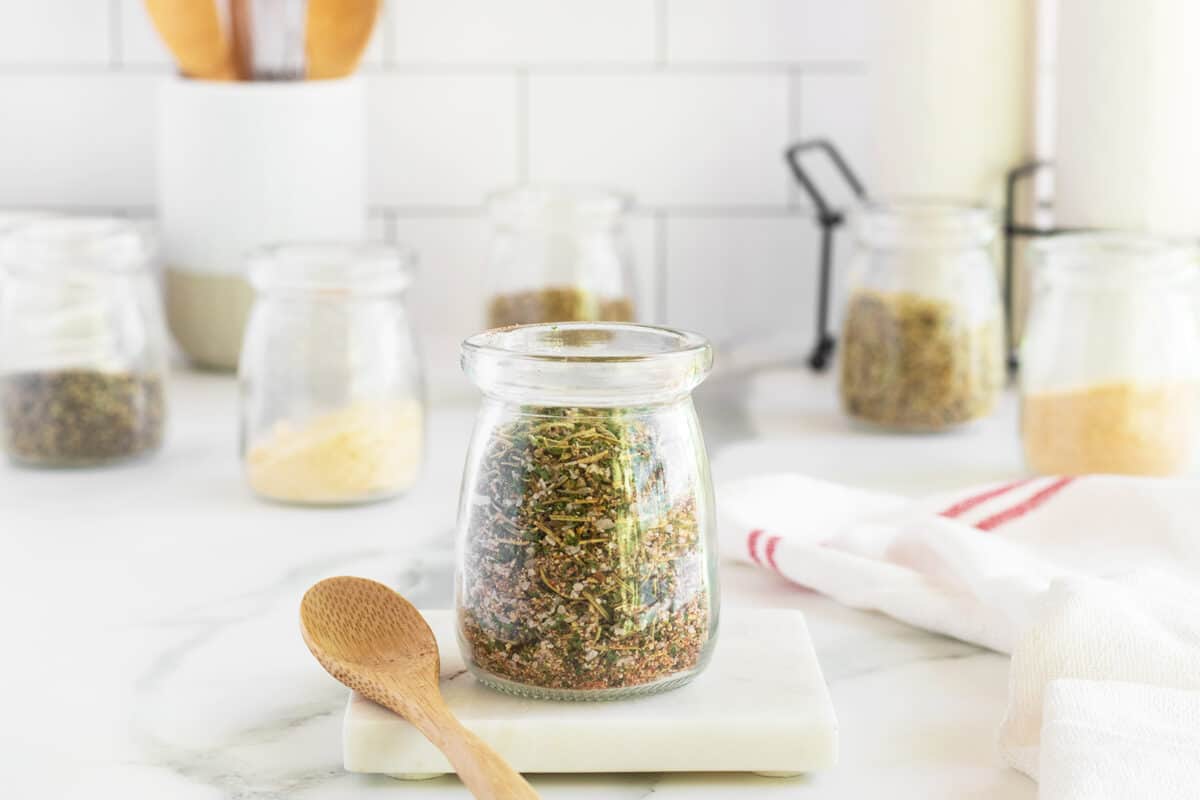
337, 34
374, 641
193, 33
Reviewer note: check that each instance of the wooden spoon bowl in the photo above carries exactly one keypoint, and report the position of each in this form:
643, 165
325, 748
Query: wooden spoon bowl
374, 641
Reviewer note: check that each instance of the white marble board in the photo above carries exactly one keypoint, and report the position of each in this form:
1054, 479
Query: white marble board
761, 706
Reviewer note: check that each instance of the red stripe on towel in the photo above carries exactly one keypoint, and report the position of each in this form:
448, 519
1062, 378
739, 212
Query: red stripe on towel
1021, 509
752, 544
963, 506
771, 544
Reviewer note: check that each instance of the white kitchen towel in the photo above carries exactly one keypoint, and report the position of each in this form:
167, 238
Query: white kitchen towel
1107, 740
1077, 577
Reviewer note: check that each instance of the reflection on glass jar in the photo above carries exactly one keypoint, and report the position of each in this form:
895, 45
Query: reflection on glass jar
82, 344
332, 400
922, 334
587, 542
1110, 361
558, 254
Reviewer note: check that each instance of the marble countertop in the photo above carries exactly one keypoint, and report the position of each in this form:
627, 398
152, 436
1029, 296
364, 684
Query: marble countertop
151, 647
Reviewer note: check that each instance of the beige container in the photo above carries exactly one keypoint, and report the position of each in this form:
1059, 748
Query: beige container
246, 164
951, 96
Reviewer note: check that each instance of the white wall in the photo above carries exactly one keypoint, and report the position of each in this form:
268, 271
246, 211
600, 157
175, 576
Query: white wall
686, 103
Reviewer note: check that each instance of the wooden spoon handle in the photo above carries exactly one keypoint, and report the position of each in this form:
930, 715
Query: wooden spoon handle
482, 769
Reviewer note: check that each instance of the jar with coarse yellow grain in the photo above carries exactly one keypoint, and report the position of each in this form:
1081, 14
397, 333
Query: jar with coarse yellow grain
1110, 363
922, 333
559, 254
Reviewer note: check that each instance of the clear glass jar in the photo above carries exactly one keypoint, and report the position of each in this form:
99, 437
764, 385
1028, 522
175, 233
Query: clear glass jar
1110, 360
587, 557
559, 254
83, 348
922, 344
331, 383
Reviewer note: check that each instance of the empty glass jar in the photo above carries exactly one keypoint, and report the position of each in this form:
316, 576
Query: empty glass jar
1110, 361
332, 399
923, 331
559, 254
83, 352
587, 558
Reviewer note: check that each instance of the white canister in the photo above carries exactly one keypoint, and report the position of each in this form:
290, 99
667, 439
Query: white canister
245, 164
1127, 116
951, 96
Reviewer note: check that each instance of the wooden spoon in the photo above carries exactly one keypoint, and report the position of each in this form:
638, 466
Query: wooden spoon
337, 34
192, 31
375, 642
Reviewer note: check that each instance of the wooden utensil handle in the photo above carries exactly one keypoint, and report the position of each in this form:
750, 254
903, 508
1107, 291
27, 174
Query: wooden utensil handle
482, 769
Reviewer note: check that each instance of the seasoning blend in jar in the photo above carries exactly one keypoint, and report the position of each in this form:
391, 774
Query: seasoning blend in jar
587, 560
332, 396
83, 352
923, 332
559, 254
1110, 362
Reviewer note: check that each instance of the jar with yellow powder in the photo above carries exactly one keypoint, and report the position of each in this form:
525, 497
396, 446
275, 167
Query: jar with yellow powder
331, 385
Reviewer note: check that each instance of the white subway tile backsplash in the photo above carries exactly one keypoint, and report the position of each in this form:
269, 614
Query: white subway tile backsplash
523, 31
764, 31
58, 32
449, 293
440, 140
77, 140
642, 231
670, 139
730, 278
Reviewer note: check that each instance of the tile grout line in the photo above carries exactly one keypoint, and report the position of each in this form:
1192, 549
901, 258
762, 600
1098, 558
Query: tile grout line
522, 121
793, 129
116, 44
660, 267
389, 34
660, 34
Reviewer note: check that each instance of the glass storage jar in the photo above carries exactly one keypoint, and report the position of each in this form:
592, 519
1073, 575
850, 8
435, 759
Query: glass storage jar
559, 254
923, 332
587, 559
83, 352
331, 384
1110, 360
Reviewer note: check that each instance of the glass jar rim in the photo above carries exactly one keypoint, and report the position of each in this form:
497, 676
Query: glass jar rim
904, 222
587, 363
343, 267
1116, 258
550, 205
54, 245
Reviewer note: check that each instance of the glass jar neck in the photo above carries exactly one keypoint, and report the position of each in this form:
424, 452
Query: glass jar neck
75, 250
330, 271
912, 224
1116, 262
587, 365
556, 210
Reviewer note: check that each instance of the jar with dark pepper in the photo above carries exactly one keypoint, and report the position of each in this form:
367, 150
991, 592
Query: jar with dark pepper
82, 344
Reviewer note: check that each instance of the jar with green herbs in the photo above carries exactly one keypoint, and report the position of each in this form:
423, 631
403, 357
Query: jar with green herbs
558, 254
923, 331
83, 347
586, 559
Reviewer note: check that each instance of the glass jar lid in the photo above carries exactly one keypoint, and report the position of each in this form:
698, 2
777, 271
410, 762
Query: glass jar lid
917, 224
73, 246
1113, 260
556, 207
587, 363
333, 267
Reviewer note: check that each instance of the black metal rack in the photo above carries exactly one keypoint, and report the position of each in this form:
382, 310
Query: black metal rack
830, 219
